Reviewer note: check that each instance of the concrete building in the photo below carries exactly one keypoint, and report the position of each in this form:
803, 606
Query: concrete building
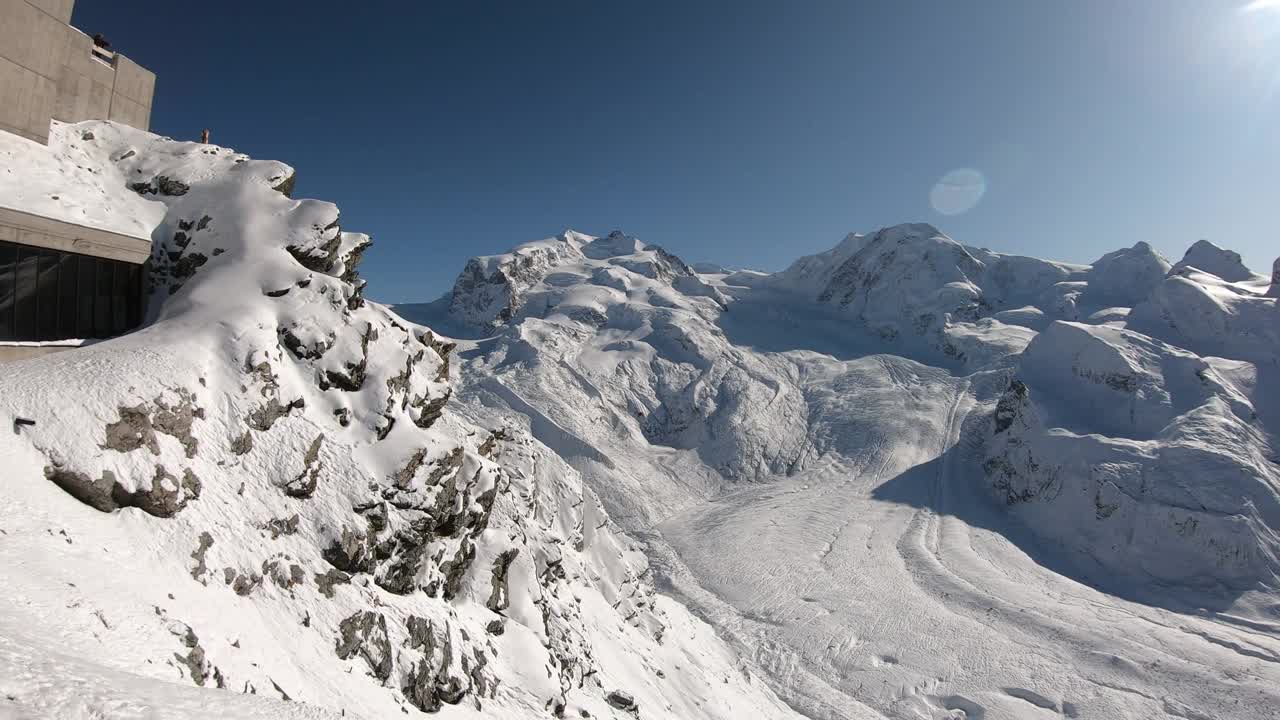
50, 70
62, 282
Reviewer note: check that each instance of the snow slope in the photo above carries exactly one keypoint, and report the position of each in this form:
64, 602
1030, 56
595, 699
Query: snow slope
910, 478
264, 504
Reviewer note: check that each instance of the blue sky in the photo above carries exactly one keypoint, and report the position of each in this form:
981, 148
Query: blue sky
742, 132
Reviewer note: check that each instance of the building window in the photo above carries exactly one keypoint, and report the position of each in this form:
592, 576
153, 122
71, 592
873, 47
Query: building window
52, 295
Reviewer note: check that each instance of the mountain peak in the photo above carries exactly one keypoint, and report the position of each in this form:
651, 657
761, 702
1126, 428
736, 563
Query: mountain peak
1208, 257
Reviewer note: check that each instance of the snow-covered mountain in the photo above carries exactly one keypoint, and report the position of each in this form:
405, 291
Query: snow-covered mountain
911, 478
902, 478
263, 504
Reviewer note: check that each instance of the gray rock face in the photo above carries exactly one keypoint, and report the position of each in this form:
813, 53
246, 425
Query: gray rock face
622, 700
490, 291
327, 581
138, 425
164, 496
1275, 279
365, 634
161, 185
446, 672
498, 597
304, 485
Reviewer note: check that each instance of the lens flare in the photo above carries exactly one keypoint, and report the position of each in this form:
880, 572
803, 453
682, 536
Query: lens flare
958, 192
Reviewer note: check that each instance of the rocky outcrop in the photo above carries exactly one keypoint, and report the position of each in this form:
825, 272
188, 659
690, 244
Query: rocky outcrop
365, 634
163, 495
622, 700
138, 425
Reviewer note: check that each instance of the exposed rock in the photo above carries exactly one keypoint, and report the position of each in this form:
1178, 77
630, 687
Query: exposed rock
375, 515
499, 598
329, 579
162, 185
622, 700
169, 186
351, 379
350, 552
442, 349
454, 570
285, 187
403, 477
243, 584
283, 695
264, 416
304, 349
132, 431
436, 679
319, 252
97, 494
194, 660
284, 576
243, 444
1010, 402
429, 410
206, 542
282, 526
304, 485
176, 420
138, 425
165, 496
365, 633
488, 448
400, 575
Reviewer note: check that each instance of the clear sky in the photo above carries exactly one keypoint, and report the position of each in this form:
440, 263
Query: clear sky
741, 132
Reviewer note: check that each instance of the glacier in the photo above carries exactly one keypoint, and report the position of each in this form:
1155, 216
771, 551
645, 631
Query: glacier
912, 478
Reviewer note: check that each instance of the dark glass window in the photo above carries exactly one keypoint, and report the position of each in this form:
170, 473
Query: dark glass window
47, 296
67, 279
8, 283
25, 293
102, 300
88, 277
119, 306
51, 295
133, 299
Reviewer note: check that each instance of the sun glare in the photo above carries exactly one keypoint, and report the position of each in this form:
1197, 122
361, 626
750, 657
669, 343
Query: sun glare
1257, 5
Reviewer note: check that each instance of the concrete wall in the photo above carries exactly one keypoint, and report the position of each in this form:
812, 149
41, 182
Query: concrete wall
38, 231
48, 70
60, 9
19, 351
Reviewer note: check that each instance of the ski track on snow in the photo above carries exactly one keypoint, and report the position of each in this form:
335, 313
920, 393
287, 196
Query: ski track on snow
929, 584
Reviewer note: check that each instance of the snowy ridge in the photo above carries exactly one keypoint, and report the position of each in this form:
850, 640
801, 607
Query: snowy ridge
266, 492
924, 448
